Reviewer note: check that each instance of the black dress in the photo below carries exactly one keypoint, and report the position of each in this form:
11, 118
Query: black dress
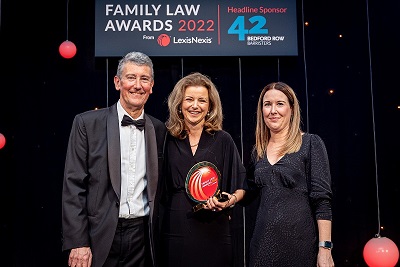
293, 194
202, 238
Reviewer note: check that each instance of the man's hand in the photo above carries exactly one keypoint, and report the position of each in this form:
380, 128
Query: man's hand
80, 257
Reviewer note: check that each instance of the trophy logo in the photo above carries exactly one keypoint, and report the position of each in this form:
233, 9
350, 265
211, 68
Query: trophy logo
202, 182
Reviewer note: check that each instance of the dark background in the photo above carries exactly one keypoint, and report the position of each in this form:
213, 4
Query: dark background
41, 92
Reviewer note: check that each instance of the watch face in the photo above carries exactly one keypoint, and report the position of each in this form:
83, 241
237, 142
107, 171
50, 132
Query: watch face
326, 244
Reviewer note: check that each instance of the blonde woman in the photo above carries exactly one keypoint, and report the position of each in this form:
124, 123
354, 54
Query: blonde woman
203, 237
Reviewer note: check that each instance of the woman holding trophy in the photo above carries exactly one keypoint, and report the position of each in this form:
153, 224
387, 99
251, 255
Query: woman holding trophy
204, 178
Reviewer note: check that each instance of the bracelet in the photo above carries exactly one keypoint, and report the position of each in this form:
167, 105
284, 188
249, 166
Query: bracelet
234, 203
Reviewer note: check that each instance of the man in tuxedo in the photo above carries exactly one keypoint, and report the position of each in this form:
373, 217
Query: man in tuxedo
112, 169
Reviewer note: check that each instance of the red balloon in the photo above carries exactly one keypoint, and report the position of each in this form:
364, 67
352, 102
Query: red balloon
2, 141
381, 252
67, 49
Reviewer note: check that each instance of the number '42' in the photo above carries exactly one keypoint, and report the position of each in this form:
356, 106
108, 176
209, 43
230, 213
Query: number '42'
238, 27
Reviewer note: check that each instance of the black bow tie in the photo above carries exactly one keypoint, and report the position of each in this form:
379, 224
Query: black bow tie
126, 120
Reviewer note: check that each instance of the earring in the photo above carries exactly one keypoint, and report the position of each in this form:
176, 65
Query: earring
179, 111
208, 113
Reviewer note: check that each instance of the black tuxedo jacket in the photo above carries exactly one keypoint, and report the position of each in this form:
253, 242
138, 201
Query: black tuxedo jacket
92, 181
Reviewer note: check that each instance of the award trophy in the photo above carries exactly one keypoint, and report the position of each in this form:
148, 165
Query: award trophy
202, 182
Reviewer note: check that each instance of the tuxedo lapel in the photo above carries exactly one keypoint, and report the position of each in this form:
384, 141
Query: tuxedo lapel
151, 159
114, 149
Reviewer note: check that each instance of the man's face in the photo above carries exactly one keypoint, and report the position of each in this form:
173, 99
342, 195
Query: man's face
135, 86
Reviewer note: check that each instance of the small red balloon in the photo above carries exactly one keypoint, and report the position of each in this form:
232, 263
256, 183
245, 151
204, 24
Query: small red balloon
381, 252
2, 141
67, 49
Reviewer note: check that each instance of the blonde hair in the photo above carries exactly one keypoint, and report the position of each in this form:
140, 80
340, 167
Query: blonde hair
214, 118
263, 134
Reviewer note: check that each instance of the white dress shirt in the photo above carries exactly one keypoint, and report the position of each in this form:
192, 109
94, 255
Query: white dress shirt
133, 202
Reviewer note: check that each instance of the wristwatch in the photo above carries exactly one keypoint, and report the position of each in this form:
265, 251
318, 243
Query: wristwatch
326, 244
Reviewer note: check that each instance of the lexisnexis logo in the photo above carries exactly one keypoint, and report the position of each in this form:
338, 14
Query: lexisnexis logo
163, 40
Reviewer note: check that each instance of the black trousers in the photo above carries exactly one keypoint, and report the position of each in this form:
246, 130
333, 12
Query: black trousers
130, 247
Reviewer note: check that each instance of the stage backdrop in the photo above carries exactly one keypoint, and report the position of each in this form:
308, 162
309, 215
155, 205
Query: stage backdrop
196, 28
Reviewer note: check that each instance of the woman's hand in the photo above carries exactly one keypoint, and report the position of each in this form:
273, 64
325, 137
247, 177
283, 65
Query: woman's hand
325, 258
213, 204
216, 204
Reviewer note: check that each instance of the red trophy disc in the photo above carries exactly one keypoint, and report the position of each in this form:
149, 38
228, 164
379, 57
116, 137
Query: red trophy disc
202, 182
